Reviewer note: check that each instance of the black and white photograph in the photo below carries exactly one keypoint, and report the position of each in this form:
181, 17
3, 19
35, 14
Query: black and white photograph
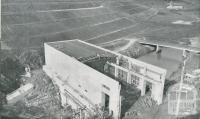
100, 59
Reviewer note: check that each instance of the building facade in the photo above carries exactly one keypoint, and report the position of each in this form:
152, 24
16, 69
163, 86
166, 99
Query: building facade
83, 84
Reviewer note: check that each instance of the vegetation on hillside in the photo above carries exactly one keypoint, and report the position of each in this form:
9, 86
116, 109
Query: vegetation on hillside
33, 58
11, 69
136, 50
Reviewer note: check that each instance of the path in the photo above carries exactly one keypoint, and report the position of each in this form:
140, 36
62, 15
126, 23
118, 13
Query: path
131, 41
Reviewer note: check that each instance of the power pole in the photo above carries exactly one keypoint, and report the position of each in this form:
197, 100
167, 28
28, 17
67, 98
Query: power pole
0, 40
185, 58
0, 58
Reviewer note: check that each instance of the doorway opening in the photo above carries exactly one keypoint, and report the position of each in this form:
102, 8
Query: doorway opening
105, 101
148, 89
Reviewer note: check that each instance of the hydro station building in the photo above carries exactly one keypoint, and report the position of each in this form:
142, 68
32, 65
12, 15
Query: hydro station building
89, 75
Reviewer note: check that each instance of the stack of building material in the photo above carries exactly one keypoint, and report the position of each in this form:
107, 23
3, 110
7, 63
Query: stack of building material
19, 93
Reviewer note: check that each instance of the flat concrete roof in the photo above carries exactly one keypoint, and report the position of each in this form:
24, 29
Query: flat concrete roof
77, 49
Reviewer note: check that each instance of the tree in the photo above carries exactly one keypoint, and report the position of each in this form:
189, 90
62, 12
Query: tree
2, 99
11, 68
9, 75
33, 58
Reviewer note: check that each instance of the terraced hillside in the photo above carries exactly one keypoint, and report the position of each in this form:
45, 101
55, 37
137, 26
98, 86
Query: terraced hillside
29, 23
33, 22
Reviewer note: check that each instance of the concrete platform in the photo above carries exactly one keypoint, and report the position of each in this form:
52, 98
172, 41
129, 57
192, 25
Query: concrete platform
77, 49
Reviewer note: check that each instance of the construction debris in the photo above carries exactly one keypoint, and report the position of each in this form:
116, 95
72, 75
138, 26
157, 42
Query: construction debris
45, 94
142, 105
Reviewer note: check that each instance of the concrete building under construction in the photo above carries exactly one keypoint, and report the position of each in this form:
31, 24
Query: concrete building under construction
88, 75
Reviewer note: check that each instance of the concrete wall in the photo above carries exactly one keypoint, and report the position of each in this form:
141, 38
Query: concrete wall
83, 79
147, 72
